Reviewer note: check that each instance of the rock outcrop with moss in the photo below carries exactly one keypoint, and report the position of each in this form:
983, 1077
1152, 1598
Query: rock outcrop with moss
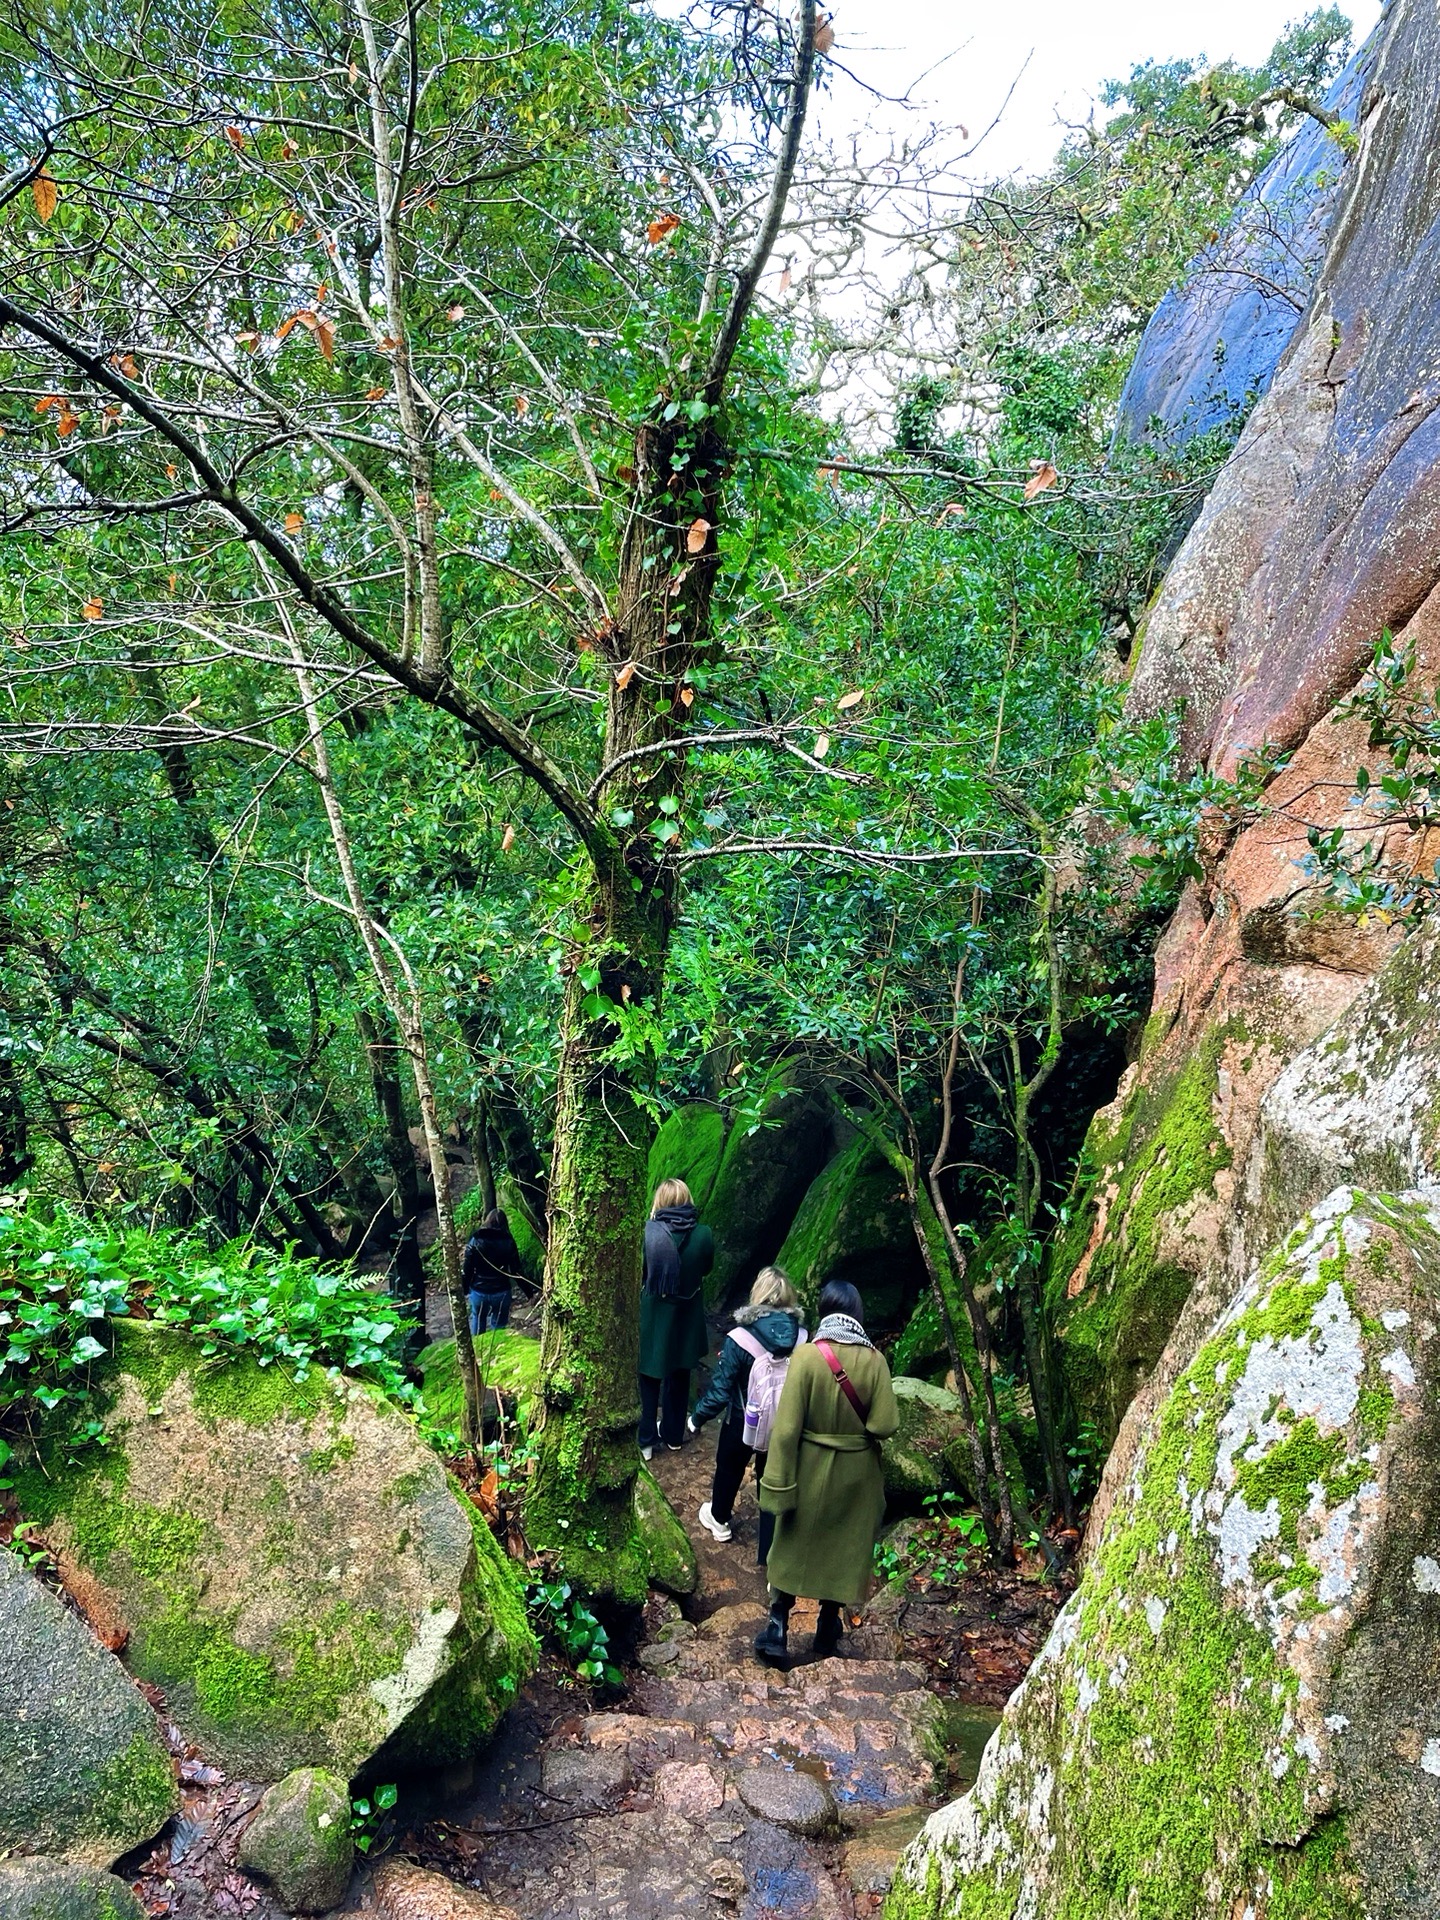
508, 1363
762, 1179
854, 1225
288, 1560
1236, 1711
1318, 536
83, 1770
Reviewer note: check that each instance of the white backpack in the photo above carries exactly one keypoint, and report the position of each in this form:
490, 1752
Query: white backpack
762, 1395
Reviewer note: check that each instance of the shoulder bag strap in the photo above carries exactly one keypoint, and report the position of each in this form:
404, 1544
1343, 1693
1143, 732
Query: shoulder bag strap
843, 1381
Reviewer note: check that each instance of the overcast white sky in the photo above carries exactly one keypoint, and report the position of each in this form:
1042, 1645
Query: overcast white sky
1073, 46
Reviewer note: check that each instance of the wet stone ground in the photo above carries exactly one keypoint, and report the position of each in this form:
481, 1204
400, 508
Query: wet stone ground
715, 1787
719, 1786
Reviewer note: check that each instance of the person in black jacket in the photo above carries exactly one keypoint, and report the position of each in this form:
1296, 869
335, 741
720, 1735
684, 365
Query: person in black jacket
492, 1262
773, 1319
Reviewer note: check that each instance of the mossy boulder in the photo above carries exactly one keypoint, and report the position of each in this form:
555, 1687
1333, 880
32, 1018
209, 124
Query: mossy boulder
83, 1770
509, 1364
300, 1840
689, 1146
56, 1890
289, 1560
1236, 1711
853, 1224
763, 1176
927, 1453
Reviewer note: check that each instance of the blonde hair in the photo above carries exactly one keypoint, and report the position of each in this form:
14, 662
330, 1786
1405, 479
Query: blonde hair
670, 1193
772, 1288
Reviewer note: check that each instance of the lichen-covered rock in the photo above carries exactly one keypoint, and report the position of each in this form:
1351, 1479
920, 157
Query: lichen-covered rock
853, 1225
404, 1891
56, 1890
289, 1560
83, 1770
1212, 344
1236, 1711
300, 1840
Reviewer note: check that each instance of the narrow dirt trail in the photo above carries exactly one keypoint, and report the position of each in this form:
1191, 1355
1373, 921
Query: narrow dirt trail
722, 1788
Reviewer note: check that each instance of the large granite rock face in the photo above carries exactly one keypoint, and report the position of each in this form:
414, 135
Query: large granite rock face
289, 1562
83, 1770
1212, 345
1330, 488
1236, 1712
1322, 530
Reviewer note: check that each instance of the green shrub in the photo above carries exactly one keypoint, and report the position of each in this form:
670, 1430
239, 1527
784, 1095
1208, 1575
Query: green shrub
62, 1278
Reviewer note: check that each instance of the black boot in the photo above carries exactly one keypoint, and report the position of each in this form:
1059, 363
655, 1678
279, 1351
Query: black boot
828, 1632
772, 1643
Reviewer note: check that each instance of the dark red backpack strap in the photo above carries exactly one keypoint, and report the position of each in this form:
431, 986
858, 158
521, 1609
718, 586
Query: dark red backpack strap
843, 1381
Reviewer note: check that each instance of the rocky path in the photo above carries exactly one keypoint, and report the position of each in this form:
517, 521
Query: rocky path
722, 1788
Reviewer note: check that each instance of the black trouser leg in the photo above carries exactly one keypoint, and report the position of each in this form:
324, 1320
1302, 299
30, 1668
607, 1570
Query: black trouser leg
732, 1457
674, 1406
767, 1520
649, 1405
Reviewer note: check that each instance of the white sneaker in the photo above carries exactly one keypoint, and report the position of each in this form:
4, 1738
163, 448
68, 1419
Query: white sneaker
719, 1528
647, 1453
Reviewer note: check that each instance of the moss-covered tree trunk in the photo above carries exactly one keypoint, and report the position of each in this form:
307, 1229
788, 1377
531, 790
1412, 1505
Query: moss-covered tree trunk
581, 1509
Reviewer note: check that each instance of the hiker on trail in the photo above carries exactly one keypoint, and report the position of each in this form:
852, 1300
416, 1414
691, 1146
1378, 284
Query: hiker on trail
674, 1338
491, 1266
745, 1390
822, 1478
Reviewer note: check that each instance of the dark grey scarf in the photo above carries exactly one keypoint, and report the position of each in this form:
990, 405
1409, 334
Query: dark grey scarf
665, 1235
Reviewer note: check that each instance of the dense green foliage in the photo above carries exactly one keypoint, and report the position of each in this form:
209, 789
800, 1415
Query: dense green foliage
864, 774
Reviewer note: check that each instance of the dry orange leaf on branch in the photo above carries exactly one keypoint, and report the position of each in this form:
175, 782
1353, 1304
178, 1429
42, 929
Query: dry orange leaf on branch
507, 839
1043, 475
294, 522
824, 35
661, 227
849, 700
236, 138
93, 609
687, 696
625, 675
698, 534
45, 194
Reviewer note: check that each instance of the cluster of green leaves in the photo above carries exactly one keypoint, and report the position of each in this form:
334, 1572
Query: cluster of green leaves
1148, 791
1361, 877
936, 1551
367, 1815
559, 1612
61, 1280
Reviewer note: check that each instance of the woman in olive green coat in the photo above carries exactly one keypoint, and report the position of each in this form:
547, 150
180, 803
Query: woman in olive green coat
822, 1478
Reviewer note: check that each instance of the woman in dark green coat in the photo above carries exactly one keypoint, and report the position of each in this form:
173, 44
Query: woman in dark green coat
823, 1479
674, 1338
